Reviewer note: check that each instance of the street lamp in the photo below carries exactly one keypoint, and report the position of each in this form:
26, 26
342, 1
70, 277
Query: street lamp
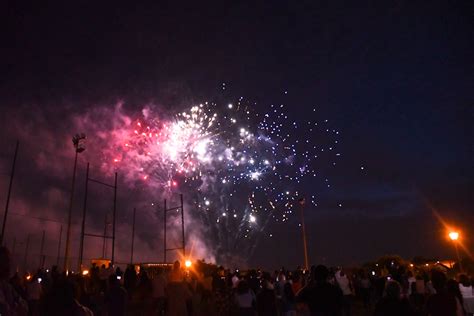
77, 142
454, 236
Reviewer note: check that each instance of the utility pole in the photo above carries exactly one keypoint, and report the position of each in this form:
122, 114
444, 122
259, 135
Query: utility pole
12, 174
59, 245
104, 244
14, 246
114, 220
133, 235
182, 225
42, 251
25, 259
164, 230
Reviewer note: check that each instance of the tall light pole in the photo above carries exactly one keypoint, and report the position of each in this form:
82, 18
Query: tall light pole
302, 203
79, 147
454, 236
5, 215
133, 235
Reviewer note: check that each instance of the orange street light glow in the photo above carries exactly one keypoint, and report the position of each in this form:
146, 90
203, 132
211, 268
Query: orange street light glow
188, 263
85, 272
454, 235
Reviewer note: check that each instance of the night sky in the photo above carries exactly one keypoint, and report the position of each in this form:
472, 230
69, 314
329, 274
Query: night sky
395, 78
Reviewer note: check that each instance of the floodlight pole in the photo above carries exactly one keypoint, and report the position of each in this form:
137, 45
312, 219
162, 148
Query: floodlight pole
68, 230
5, 215
78, 148
81, 246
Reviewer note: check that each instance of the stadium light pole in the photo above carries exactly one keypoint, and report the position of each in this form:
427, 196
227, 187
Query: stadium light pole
78, 148
454, 236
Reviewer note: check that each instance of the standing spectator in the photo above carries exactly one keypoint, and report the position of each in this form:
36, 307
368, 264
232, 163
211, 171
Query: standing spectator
465, 286
62, 302
365, 290
296, 282
130, 279
266, 299
245, 299
33, 291
143, 293
410, 280
452, 287
320, 296
235, 280
116, 297
159, 284
442, 303
177, 293
11, 304
346, 287
103, 276
392, 304
289, 300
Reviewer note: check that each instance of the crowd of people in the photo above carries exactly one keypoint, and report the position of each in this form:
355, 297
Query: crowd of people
206, 289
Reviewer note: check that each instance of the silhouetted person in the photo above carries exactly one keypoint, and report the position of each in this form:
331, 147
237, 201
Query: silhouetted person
159, 300
177, 293
61, 301
345, 285
34, 291
266, 299
442, 303
143, 293
365, 290
245, 299
465, 286
320, 296
11, 303
116, 298
289, 300
392, 304
130, 279
452, 287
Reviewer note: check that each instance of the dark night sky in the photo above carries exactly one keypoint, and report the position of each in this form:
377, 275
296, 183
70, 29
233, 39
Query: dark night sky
395, 77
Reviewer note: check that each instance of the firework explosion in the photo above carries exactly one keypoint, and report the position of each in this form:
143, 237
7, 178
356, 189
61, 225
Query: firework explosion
239, 169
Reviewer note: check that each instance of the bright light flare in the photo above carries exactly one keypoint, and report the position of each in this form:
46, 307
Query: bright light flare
188, 263
453, 235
